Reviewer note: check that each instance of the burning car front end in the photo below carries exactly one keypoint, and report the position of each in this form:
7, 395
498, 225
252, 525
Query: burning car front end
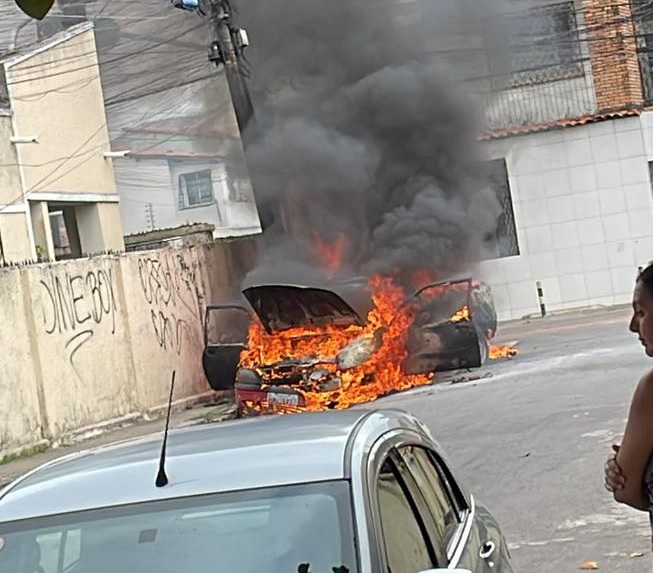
323, 348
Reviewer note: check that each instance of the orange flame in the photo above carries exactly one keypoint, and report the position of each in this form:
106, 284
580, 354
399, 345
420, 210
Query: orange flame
497, 352
378, 376
332, 255
462, 314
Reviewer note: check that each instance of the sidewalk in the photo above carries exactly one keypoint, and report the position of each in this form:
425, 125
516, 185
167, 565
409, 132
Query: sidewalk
181, 418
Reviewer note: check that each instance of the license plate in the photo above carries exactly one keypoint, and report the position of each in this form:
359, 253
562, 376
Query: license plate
281, 398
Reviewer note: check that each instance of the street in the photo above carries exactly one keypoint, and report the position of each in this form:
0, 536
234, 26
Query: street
530, 441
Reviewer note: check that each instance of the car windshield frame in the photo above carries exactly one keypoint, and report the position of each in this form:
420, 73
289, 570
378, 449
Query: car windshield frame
338, 490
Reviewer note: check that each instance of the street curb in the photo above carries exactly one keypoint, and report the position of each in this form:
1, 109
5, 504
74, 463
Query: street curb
579, 311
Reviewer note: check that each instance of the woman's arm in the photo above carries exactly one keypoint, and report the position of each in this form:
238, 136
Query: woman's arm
637, 446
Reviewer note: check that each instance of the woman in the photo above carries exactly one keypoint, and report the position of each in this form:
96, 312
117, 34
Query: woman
629, 470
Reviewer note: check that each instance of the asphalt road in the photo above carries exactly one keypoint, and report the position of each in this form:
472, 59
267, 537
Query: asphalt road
530, 441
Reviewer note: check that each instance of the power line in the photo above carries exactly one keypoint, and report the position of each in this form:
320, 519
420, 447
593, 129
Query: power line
545, 41
79, 153
104, 63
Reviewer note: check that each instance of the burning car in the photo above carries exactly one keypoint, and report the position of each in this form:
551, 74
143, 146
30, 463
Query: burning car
352, 341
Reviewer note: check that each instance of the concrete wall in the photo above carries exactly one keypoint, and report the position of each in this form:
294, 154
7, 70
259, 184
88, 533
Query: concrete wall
56, 98
165, 305
584, 216
15, 237
11, 191
21, 419
96, 340
64, 77
99, 226
81, 338
14, 218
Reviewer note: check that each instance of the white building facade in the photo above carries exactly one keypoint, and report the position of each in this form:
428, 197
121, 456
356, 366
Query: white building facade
570, 135
583, 214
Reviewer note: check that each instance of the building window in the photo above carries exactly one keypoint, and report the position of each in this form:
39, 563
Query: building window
543, 46
196, 189
503, 242
643, 21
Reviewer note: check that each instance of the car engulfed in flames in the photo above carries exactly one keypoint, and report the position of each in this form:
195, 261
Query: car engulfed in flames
351, 342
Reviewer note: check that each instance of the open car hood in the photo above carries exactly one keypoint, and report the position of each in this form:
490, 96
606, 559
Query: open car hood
280, 307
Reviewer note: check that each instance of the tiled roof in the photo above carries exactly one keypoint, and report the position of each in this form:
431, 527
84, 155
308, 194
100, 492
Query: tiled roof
172, 153
558, 124
169, 128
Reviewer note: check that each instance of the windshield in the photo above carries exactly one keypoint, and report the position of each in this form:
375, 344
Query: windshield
291, 529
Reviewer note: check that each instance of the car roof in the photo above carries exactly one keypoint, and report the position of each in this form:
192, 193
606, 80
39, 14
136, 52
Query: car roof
244, 454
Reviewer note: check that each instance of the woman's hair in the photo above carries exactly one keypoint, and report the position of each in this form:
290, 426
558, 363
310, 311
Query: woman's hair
646, 278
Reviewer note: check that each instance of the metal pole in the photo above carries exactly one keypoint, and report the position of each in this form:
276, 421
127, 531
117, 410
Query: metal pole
223, 34
540, 296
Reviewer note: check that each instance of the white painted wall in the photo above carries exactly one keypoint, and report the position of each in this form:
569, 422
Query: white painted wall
584, 216
155, 181
140, 183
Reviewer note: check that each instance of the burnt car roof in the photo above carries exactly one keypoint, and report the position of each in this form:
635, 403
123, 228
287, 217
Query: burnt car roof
281, 306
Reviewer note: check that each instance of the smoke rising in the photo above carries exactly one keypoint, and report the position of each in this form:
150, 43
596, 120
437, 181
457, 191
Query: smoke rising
363, 131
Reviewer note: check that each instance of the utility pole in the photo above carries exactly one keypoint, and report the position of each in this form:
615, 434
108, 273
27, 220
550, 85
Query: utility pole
226, 49
229, 43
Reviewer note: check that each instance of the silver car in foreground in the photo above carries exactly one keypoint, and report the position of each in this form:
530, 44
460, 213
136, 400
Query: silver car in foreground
341, 492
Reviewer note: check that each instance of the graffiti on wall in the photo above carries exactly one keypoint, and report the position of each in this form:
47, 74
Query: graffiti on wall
169, 286
75, 304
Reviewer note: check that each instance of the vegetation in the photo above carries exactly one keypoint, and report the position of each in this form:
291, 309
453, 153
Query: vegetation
26, 453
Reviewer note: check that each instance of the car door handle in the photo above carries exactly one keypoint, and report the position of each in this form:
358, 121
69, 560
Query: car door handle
487, 550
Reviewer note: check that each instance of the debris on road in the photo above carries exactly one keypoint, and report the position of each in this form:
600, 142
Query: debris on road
637, 554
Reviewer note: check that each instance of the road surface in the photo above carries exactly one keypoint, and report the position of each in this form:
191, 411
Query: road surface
531, 441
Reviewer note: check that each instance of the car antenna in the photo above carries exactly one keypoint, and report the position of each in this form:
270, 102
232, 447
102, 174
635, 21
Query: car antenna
161, 477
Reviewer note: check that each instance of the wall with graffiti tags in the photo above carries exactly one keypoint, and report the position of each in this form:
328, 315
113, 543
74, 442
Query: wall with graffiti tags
83, 340
166, 309
96, 340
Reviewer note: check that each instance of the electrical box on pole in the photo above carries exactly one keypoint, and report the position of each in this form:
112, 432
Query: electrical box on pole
226, 49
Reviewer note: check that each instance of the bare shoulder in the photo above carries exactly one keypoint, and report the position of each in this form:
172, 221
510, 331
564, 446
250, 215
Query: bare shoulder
644, 392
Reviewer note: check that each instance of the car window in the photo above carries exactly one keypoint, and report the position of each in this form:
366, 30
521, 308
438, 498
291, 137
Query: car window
437, 493
404, 535
58, 550
306, 525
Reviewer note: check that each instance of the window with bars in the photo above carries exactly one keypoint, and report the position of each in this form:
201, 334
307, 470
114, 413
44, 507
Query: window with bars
643, 22
543, 46
503, 242
196, 189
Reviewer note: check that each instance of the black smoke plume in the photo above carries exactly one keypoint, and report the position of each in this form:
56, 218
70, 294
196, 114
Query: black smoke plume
361, 131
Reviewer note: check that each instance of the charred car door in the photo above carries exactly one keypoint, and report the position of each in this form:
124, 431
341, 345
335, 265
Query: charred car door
225, 337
